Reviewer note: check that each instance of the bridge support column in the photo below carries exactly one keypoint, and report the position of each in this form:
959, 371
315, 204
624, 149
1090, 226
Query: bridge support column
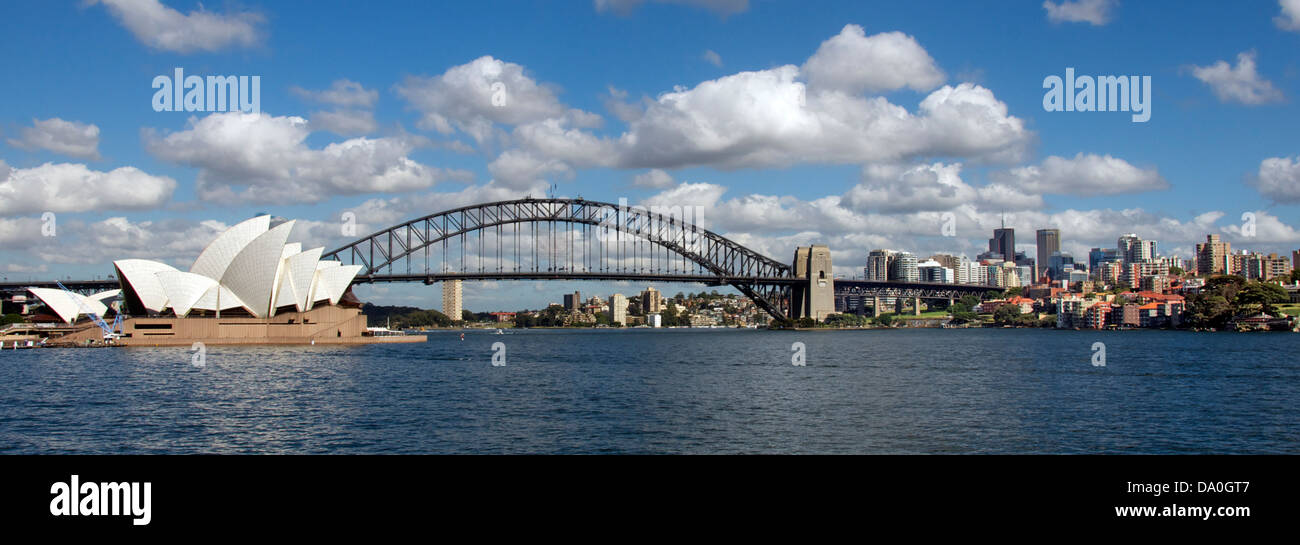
916, 306
875, 308
816, 298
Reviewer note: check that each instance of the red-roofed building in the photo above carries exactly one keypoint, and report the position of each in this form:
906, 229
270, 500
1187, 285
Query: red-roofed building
1096, 315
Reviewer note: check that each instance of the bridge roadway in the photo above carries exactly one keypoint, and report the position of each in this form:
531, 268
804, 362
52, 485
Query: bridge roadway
869, 288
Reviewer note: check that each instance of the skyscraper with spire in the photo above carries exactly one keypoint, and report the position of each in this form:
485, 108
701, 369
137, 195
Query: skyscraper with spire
1003, 243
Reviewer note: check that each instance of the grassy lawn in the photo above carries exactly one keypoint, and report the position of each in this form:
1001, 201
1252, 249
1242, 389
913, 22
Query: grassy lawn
924, 315
1290, 309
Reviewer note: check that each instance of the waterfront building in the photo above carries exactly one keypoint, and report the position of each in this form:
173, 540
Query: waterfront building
248, 286
453, 300
573, 301
651, 301
618, 308
250, 269
1096, 315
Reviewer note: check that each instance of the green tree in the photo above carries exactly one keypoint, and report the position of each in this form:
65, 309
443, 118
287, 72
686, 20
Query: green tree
1295, 275
886, 320
1261, 295
1176, 271
1208, 309
1006, 314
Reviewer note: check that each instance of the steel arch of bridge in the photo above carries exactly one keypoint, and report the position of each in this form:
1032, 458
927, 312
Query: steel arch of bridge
717, 260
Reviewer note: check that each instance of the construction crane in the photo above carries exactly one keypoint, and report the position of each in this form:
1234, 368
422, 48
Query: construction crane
110, 332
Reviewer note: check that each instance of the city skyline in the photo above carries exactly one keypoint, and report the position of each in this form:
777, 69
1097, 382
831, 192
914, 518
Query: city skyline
387, 138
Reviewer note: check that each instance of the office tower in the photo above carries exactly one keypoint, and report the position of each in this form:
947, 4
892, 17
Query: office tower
1059, 265
1003, 244
650, 301
573, 301
452, 300
1212, 255
618, 308
1098, 256
1048, 241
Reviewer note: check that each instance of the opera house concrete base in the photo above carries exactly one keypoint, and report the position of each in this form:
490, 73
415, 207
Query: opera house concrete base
323, 325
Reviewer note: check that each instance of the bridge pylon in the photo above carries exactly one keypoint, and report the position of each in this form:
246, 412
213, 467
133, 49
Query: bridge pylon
814, 295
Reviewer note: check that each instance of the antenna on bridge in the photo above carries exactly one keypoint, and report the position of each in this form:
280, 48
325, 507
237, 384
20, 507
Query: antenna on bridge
550, 192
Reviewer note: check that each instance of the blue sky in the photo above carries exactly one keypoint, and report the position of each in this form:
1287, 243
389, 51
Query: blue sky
1193, 169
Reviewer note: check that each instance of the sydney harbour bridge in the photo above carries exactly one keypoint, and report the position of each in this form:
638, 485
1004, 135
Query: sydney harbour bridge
578, 239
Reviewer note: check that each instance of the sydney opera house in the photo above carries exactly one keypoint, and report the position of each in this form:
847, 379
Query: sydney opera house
248, 286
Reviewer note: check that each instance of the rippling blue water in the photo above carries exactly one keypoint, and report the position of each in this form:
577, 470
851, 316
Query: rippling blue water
669, 391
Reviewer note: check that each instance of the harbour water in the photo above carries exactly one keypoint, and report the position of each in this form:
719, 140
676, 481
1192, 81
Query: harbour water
669, 391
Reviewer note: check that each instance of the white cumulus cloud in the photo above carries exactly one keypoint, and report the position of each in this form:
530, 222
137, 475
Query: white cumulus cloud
262, 158
1240, 83
1094, 12
1083, 175
853, 62
72, 187
71, 138
1289, 19
164, 28
473, 97
1279, 179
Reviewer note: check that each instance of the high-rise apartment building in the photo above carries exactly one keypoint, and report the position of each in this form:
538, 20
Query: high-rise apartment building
1212, 256
903, 268
949, 261
1132, 249
879, 263
1048, 241
618, 308
452, 299
651, 301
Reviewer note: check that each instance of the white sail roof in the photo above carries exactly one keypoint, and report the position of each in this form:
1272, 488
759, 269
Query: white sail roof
209, 300
140, 275
253, 271
251, 265
185, 289
332, 282
68, 305
299, 271
217, 257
